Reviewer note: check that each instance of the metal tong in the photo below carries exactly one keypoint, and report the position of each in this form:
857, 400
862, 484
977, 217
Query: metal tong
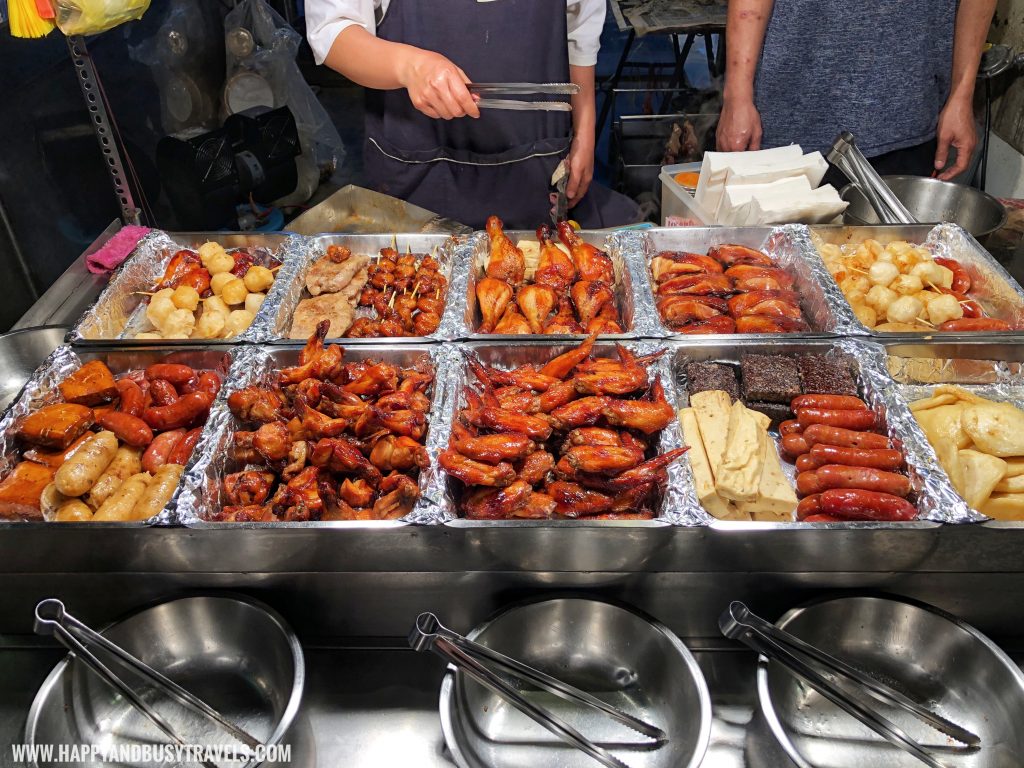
430, 635
52, 619
824, 673
847, 157
512, 89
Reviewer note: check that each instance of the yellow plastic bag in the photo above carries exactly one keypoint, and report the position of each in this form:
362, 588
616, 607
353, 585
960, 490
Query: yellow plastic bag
90, 17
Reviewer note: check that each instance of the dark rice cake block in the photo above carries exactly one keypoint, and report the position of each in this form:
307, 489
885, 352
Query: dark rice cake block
826, 375
777, 412
769, 378
705, 377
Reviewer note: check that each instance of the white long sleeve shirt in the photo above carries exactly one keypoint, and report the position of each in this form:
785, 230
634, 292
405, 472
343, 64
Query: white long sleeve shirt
326, 19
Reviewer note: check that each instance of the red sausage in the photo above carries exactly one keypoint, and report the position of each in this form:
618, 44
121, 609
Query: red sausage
883, 458
961, 280
854, 504
790, 427
161, 447
173, 372
162, 392
795, 445
209, 382
848, 438
846, 419
128, 429
187, 408
808, 483
183, 450
829, 402
807, 463
975, 324
133, 400
862, 478
822, 518
808, 506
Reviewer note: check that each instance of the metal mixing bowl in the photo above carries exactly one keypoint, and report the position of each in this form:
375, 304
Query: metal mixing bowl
935, 659
932, 201
624, 658
234, 653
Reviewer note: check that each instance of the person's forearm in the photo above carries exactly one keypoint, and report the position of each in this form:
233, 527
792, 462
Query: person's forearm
973, 19
744, 33
584, 103
367, 60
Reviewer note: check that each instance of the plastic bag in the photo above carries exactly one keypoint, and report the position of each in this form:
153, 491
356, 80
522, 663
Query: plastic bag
90, 17
261, 45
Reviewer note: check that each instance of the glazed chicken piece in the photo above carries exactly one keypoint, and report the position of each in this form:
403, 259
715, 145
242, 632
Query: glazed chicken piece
425, 323
561, 366
495, 504
356, 493
536, 467
525, 376
407, 423
564, 321
299, 499
329, 276
554, 268
298, 456
391, 322
500, 420
364, 328
371, 379
343, 456
397, 452
589, 298
652, 471
591, 262
473, 472
602, 459
512, 323
648, 415
181, 262
781, 303
255, 513
584, 412
517, 399
680, 308
493, 297
314, 361
769, 324
730, 255
668, 264
490, 449
315, 425
573, 500
506, 261
719, 324
430, 304
242, 489
399, 497
405, 306
557, 395
700, 284
536, 302
605, 376
748, 277
603, 325
272, 441
592, 436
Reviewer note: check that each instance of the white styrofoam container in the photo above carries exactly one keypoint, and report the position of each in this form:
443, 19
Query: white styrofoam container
678, 208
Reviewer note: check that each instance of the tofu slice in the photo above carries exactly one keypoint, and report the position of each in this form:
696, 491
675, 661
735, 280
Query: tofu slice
739, 474
776, 500
712, 411
703, 478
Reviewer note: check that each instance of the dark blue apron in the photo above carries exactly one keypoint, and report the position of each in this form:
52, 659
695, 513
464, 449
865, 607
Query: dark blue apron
468, 169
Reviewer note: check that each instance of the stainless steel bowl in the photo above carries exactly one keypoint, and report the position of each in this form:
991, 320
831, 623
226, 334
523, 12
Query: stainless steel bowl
234, 653
21, 352
934, 658
932, 201
626, 659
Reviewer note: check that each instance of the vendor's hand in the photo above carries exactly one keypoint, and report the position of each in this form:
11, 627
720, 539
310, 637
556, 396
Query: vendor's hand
581, 169
955, 129
436, 86
739, 127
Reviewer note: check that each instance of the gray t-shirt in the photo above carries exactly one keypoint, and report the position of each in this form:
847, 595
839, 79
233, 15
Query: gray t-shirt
878, 68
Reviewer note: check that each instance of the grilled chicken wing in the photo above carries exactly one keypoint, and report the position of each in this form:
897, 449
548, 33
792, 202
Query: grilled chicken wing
680, 308
602, 459
730, 255
584, 412
494, 504
255, 404
473, 472
491, 449
399, 497
573, 500
591, 262
397, 452
506, 261
493, 297
699, 284
536, 466
243, 489
605, 376
554, 268
536, 302
557, 395
590, 297
748, 277
561, 366
669, 264
356, 493
341, 455
646, 415
781, 303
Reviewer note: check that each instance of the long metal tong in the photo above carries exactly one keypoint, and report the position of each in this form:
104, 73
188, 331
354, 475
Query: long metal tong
52, 619
430, 635
825, 673
512, 89
847, 157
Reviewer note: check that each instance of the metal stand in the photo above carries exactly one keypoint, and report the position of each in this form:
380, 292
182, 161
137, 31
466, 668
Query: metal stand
106, 134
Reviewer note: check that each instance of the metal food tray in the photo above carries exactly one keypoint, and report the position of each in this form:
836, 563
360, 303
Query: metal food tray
989, 370
787, 247
120, 306
672, 501
992, 286
41, 390
936, 501
258, 365
622, 247
451, 251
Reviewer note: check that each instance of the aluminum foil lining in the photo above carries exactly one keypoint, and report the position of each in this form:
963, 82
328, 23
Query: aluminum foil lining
201, 492
673, 506
42, 389
450, 250
790, 248
991, 285
935, 500
624, 249
120, 311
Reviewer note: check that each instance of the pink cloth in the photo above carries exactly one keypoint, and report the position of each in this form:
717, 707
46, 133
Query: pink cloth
116, 249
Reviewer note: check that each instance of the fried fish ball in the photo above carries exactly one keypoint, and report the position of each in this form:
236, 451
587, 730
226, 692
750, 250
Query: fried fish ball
185, 297
258, 279
907, 285
208, 250
866, 315
905, 309
928, 272
234, 292
179, 324
883, 273
216, 304
221, 262
855, 283
254, 301
210, 325
946, 279
159, 310
237, 322
217, 282
943, 308
880, 297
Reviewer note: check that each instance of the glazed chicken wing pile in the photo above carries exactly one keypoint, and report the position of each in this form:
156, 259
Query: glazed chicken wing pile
733, 289
331, 441
569, 439
570, 293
